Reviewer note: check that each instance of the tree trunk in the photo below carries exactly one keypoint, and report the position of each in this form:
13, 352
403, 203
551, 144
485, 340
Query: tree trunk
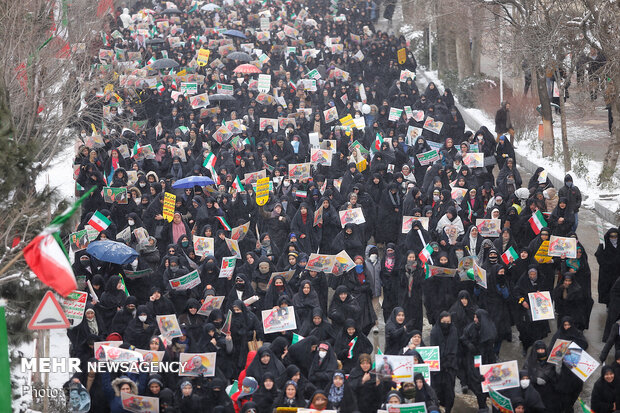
463, 55
547, 115
565, 148
439, 48
477, 14
611, 158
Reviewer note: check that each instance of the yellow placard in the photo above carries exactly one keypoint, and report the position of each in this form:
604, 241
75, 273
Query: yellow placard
203, 57
170, 201
347, 120
402, 56
542, 255
109, 88
262, 191
182, 73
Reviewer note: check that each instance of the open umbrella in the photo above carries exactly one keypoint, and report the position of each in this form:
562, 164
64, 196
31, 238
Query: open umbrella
235, 33
163, 64
246, 69
241, 56
157, 40
219, 97
311, 22
172, 11
112, 251
192, 181
210, 7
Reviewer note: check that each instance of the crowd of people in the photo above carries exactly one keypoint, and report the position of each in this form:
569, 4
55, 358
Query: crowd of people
320, 55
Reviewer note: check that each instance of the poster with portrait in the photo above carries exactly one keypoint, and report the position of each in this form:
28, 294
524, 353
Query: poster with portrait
541, 306
408, 221
558, 351
169, 326
395, 368
580, 363
504, 375
342, 263
474, 160
79, 398
210, 303
320, 262
466, 263
118, 355
299, 171
330, 115
489, 227
321, 156
452, 232
197, 364
458, 194
279, 319
151, 356
318, 216
139, 404
79, 240
351, 216
433, 125
435, 271
562, 246
430, 355
480, 275
115, 195
252, 177
233, 247
98, 352
238, 233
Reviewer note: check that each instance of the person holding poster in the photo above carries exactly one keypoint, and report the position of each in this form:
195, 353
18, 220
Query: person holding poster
542, 374
529, 330
569, 300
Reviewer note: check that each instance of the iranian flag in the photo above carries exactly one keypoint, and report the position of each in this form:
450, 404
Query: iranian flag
99, 221
378, 142
237, 184
584, 407
292, 86
209, 163
537, 222
151, 61
223, 222
174, 84
160, 87
296, 338
135, 150
46, 256
425, 254
510, 253
351, 347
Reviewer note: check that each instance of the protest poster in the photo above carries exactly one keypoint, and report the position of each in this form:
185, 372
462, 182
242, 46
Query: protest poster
480, 275
116, 354
430, 355
264, 83
79, 240
238, 233
562, 246
330, 115
406, 74
489, 227
202, 56
395, 368
279, 319
542, 255
433, 125
318, 216
252, 177
210, 303
352, 216
304, 410
395, 114
474, 160
228, 267
199, 101
558, 351
185, 282
580, 363
541, 306
151, 356
139, 404
321, 156
408, 221
169, 206
427, 158
141, 234
233, 247
452, 231
320, 262
424, 370
169, 326
466, 263
500, 402
197, 364
299, 171
74, 305
188, 88
115, 195
98, 351
225, 89
134, 275
287, 275
342, 263
504, 375
419, 407
435, 271
458, 194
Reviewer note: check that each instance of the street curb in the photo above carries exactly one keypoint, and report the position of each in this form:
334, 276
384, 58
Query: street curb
474, 124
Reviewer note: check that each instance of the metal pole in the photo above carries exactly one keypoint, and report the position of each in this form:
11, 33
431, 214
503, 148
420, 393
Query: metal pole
501, 79
430, 48
46, 400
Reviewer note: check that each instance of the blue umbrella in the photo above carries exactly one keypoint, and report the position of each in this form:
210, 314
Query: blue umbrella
192, 181
235, 33
112, 251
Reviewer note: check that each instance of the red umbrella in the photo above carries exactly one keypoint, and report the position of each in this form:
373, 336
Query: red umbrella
246, 69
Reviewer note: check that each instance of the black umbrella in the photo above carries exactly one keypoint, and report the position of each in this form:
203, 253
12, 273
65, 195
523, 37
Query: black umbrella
172, 11
241, 56
219, 97
235, 33
156, 40
163, 64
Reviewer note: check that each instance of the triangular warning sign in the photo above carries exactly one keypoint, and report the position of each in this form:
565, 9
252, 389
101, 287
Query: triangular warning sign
49, 314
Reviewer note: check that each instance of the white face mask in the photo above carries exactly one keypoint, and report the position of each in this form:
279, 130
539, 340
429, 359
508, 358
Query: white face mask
322, 353
524, 383
373, 258
130, 222
142, 318
286, 183
83, 134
